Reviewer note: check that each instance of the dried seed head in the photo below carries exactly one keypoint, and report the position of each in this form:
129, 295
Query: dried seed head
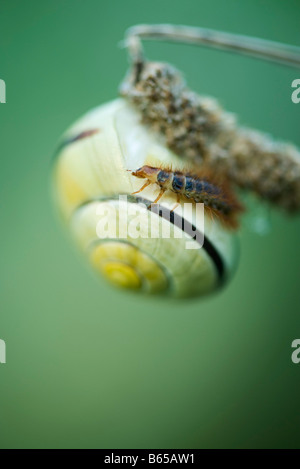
271, 169
190, 123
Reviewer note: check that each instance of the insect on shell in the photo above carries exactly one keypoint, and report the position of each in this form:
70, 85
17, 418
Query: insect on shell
93, 168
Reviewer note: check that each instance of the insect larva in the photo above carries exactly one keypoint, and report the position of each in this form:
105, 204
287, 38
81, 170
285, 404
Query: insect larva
202, 187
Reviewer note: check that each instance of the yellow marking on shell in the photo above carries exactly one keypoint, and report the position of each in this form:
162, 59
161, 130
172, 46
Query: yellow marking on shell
128, 267
121, 275
69, 192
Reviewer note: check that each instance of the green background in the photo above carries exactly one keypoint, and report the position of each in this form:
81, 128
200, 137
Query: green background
88, 366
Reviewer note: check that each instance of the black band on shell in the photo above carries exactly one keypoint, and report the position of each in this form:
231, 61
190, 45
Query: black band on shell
192, 231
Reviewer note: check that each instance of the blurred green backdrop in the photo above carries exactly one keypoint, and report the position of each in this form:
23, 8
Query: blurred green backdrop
88, 366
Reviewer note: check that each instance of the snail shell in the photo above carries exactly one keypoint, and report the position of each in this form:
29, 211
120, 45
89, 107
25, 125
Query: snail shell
91, 172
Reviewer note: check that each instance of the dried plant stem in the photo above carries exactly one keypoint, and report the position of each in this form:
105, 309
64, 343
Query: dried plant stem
259, 48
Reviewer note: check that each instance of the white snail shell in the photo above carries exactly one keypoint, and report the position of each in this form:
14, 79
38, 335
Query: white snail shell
90, 172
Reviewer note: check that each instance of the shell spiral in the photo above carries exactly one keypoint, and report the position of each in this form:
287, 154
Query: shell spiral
91, 173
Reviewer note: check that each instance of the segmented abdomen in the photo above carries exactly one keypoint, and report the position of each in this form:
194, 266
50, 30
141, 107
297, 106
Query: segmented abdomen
214, 195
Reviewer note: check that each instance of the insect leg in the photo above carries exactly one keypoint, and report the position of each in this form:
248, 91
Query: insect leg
161, 193
177, 203
142, 188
